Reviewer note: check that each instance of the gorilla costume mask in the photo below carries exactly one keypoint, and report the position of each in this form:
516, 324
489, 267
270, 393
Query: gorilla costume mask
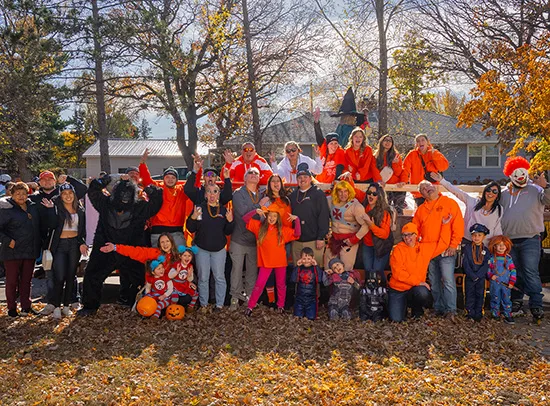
124, 195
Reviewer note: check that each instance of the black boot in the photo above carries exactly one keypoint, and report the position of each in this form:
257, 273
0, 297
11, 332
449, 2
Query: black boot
538, 314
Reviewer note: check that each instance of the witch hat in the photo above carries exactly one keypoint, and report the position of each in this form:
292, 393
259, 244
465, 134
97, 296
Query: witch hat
348, 105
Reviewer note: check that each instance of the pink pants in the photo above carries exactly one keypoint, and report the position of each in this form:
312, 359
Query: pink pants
280, 280
18, 278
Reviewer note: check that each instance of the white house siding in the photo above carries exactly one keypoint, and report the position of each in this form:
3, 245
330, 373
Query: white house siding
156, 164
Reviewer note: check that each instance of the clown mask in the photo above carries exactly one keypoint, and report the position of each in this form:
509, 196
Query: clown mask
519, 177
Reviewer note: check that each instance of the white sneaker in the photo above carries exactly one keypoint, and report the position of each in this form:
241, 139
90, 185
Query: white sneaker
75, 306
56, 313
67, 311
46, 311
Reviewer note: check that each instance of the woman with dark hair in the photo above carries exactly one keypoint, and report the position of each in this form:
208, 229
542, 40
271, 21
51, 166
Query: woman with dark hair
390, 166
67, 223
378, 241
484, 210
21, 239
278, 196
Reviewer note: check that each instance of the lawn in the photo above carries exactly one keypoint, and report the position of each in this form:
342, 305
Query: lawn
224, 358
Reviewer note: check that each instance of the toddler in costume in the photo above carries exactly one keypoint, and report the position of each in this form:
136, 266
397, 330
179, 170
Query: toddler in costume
182, 276
343, 283
373, 298
306, 275
476, 264
502, 273
159, 286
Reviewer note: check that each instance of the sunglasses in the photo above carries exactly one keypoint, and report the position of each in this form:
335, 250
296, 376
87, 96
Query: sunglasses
248, 149
210, 173
493, 191
406, 235
253, 173
288, 151
369, 193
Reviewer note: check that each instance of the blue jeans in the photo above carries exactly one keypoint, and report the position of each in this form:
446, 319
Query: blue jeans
526, 257
373, 263
417, 298
441, 272
214, 261
500, 295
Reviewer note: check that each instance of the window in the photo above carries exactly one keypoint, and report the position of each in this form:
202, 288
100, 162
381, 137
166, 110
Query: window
483, 156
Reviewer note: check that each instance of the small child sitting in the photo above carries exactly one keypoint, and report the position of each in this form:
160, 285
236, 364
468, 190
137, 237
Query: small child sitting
306, 277
372, 299
476, 265
182, 276
502, 273
159, 286
343, 283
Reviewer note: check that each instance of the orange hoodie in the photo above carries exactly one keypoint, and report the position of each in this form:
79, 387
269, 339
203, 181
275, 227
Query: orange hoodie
399, 175
172, 212
409, 265
362, 163
428, 218
414, 171
331, 161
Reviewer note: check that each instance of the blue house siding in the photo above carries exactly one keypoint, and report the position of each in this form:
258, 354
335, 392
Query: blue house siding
458, 166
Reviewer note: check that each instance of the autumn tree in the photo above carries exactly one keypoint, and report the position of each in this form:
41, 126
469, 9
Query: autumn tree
30, 56
74, 142
514, 101
447, 103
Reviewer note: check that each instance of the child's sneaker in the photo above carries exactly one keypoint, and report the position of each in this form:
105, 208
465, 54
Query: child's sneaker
67, 311
517, 309
56, 313
509, 320
47, 310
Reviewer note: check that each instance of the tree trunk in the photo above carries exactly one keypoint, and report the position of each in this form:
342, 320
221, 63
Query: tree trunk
22, 165
193, 134
256, 132
100, 94
383, 78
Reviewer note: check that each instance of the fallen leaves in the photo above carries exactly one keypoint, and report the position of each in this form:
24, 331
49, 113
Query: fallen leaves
224, 358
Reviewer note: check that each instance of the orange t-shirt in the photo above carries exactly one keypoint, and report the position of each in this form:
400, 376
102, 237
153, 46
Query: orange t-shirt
271, 254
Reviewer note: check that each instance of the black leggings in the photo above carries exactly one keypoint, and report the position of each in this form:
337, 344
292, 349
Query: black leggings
65, 262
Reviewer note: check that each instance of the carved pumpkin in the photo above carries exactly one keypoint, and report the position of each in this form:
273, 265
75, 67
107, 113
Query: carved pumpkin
175, 312
146, 306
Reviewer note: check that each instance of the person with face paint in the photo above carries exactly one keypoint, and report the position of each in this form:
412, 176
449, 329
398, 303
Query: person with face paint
171, 216
197, 192
238, 168
122, 218
522, 221
420, 162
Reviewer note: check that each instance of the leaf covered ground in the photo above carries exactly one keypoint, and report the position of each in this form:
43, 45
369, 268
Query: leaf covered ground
224, 358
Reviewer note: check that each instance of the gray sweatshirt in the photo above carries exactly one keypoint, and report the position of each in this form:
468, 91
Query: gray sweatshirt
242, 204
523, 211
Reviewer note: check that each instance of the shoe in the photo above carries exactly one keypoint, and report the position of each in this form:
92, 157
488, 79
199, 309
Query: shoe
217, 309
123, 302
190, 309
75, 306
47, 310
248, 312
509, 320
495, 316
67, 311
234, 304
84, 312
280, 310
56, 313
517, 309
537, 313
30, 311
205, 309
12, 313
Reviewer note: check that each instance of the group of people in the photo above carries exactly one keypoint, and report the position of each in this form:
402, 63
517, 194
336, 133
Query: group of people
249, 211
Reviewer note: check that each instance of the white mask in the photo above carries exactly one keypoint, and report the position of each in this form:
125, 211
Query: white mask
520, 177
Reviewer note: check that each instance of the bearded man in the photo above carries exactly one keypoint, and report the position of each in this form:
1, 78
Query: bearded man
522, 221
122, 218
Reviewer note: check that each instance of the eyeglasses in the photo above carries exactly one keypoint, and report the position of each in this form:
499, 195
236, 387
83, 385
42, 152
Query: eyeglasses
248, 149
288, 151
369, 193
210, 173
407, 235
493, 191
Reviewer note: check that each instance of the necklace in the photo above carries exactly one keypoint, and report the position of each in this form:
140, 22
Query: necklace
485, 212
255, 197
210, 211
298, 196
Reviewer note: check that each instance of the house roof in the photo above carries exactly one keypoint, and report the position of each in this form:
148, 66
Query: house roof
439, 128
135, 148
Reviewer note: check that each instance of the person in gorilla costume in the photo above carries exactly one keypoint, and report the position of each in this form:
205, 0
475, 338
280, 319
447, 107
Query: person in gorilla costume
122, 218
